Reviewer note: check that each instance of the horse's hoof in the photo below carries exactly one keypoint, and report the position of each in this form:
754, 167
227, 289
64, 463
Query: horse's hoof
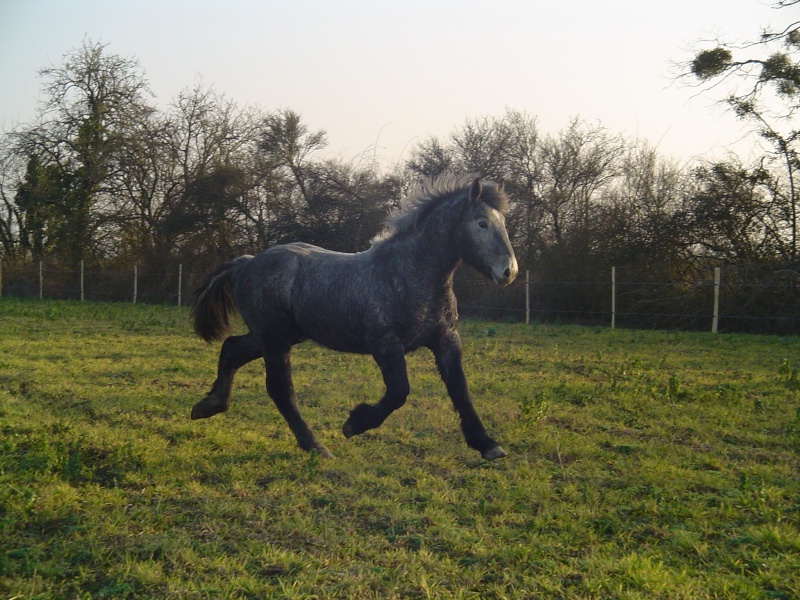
358, 421
494, 453
323, 452
207, 407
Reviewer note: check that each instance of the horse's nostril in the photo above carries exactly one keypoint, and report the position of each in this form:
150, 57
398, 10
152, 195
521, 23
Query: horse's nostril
507, 273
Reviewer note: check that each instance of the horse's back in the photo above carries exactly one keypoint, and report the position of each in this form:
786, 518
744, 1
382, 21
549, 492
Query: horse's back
320, 294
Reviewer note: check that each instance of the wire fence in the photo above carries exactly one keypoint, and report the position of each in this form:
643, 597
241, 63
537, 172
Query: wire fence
53, 280
720, 301
709, 304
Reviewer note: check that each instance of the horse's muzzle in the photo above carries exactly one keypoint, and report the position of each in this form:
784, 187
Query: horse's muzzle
505, 274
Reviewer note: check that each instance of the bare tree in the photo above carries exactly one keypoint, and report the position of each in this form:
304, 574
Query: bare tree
286, 144
731, 213
523, 173
430, 158
642, 223
11, 217
182, 177
92, 102
482, 146
576, 164
768, 96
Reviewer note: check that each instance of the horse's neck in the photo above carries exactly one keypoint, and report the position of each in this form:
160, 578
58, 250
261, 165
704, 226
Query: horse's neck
430, 253
435, 252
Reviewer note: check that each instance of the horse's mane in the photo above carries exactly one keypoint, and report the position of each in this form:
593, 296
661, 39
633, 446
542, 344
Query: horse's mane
431, 193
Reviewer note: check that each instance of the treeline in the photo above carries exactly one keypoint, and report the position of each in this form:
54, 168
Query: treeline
103, 176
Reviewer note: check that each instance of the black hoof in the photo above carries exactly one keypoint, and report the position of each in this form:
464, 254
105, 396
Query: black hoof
208, 407
358, 421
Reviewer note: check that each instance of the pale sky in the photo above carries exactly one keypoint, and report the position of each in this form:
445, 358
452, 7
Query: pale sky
380, 76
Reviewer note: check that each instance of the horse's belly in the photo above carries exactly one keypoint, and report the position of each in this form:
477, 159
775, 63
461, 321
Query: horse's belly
343, 346
336, 330
358, 331
332, 307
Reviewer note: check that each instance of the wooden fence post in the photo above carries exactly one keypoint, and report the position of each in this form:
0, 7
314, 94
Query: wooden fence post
1, 278
41, 281
715, 318
135, 282
180, 278
527, 297
613, 297
82, 280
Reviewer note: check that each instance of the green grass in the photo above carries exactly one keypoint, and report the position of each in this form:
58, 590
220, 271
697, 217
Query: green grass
641, 465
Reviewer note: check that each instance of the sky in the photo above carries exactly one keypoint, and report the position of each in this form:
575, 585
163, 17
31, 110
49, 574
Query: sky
381, 76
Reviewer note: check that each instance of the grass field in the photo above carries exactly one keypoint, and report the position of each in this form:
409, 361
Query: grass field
641, 465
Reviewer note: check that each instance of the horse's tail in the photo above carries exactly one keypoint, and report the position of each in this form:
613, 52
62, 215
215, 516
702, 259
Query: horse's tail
212, 302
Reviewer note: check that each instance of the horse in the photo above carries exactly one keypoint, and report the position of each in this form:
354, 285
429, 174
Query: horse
389, 300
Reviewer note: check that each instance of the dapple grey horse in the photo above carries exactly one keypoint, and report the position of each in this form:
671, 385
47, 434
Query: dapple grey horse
389, 300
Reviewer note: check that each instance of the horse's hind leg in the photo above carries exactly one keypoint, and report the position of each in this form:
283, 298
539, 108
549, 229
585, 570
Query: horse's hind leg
236, 352
281, 389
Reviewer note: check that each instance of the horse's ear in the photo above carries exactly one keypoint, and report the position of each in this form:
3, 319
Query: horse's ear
501, 186
475, 191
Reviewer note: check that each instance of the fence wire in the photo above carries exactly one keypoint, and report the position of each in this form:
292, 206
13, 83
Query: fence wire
767, 307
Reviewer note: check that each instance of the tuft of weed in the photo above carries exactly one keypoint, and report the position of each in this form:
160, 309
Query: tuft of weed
789, 374
533, 407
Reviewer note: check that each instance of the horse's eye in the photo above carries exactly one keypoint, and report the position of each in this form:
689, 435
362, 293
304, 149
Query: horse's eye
483, 224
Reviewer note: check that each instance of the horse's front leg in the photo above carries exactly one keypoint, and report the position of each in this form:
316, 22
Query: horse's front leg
392, 362
236, 352
447, 351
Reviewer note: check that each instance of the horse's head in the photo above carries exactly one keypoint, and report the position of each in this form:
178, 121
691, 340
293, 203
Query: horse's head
484, 240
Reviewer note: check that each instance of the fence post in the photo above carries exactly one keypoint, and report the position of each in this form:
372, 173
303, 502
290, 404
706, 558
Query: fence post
180, 278
41, 281
135, 281
527, 297
715, 318
1, 278
81, 280
613, 297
